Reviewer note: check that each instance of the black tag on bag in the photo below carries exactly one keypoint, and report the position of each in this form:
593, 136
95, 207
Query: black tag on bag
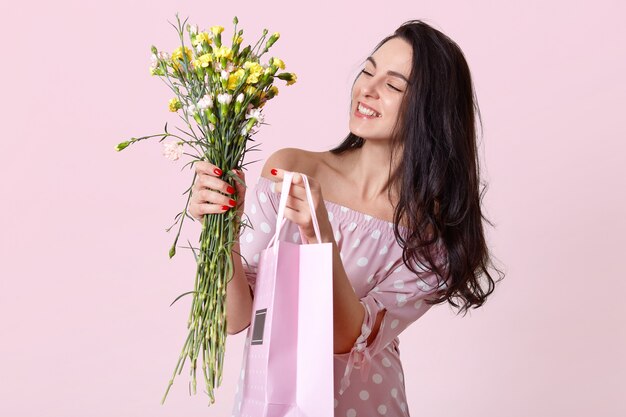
259, 327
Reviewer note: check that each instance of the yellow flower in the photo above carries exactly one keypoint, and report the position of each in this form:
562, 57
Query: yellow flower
205, 60
239, 39
223, 52
293, 79
256, 70
250, 90
278, 63
217, 30
178, 54
234, 78
274, 90
174, 104
202, 37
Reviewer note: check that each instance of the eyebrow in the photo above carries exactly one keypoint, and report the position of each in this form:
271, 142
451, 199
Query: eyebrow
394, 73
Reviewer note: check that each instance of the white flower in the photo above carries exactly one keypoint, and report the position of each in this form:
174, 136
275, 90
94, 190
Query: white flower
225, 75
153, 58
256, 113
240, 97
230, 66
193, 29
163, 55
204, 103
172, 150
199, 48
218, 66
224, 98
209, 99
191, 109
211, 127
250, 106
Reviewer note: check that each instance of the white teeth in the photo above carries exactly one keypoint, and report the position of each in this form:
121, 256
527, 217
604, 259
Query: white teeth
367, 111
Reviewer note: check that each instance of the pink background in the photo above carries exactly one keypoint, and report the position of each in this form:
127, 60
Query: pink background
86, 282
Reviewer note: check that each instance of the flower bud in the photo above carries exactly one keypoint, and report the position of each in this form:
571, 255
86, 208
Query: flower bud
122, 145
272, 40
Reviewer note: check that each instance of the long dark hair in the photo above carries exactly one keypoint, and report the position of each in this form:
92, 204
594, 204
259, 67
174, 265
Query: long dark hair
438, 177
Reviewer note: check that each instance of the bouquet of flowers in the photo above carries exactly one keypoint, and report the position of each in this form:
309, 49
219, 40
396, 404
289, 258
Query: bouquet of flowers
221, 90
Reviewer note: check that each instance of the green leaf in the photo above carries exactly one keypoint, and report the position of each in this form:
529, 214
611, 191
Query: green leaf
193, 250
182, 295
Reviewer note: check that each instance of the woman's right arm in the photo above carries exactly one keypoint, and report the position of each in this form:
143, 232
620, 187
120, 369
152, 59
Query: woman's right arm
238, 296
263, 211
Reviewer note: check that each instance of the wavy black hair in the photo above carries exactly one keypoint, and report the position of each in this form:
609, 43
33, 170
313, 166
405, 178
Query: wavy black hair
438, 177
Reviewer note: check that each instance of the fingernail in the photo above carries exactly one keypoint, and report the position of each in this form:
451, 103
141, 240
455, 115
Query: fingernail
274, 172
225, 207
232, 202
217, 171
230, 190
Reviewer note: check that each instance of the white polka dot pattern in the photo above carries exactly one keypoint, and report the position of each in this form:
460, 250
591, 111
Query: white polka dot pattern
370, 373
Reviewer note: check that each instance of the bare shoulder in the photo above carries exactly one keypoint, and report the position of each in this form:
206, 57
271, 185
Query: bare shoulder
291, 159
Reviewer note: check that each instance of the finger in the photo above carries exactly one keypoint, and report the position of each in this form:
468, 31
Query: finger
213, 183
208, 208
279, 174
204, 167
296, 192
295, 206
242, 176
213, 197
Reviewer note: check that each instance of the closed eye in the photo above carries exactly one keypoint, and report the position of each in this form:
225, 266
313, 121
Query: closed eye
365, 72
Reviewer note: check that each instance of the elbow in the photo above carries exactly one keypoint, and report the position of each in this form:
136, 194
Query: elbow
231, 332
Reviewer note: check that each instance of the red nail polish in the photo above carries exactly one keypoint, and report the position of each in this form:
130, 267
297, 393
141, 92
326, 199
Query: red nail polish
274, 172
230, 190
225, 207
217, 171
232, 202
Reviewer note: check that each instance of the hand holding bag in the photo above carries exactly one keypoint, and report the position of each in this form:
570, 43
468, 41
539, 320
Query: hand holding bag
288, 365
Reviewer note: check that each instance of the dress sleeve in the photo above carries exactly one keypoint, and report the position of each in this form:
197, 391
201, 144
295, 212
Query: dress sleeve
402, 293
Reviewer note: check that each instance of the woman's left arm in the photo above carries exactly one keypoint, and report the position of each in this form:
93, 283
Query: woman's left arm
348, 311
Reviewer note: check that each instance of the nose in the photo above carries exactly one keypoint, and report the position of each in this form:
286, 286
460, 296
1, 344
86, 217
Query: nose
369, 88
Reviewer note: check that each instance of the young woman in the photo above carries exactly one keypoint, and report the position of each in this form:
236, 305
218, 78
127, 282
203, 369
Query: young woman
399, 200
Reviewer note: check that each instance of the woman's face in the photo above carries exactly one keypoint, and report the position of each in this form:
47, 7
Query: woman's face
381, 86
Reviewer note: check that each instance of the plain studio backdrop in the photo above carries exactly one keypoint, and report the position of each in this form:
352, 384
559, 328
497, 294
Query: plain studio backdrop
86, 281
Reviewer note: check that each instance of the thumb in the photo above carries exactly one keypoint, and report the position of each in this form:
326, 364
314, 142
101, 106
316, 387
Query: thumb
241, 176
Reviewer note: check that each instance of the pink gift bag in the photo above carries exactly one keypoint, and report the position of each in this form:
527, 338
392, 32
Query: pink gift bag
288, 369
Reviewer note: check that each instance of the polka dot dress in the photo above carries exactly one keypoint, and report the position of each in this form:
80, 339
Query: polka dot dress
369, 380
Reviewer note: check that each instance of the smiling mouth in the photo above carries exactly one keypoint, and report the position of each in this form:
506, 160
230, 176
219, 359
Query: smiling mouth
367, 113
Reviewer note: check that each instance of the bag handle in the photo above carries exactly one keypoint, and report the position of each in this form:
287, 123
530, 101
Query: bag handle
281, 220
